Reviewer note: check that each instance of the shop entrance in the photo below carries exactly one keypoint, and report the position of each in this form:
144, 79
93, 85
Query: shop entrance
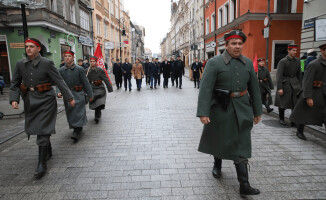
4, 61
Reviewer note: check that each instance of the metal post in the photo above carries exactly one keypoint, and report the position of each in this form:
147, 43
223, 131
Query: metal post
24, 21
267, 39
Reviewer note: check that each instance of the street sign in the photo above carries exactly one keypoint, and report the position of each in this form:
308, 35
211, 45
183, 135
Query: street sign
109, 45
266, 21
266, 32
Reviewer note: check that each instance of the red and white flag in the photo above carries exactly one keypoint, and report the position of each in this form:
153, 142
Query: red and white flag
100, 60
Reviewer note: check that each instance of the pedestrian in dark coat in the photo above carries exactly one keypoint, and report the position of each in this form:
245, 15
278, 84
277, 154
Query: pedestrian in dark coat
288, 81
126, 69
154, 69
2, 84
76, 80
311, 55
179, 71
33, 79
159, 75
96, 76
196, 68
265, 84
311, 106
227, 111
117, 71
166, 70
147, 72
172, 70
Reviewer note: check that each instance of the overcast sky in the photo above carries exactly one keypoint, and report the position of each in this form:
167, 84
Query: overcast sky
154, 15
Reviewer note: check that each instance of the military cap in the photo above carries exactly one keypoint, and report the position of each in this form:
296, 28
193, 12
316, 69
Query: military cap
322, 46
147, 59
235, 34
156, 58
292, 46
34, 41
70, 52
93, 58
261, 59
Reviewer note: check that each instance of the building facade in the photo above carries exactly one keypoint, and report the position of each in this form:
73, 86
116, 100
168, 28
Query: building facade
312, 34
59, 25
248, 15
137, 42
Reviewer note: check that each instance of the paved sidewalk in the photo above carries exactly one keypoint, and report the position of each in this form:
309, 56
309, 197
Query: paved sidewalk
145, 147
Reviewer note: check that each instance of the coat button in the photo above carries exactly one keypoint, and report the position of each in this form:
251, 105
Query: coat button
238, 81
238, 74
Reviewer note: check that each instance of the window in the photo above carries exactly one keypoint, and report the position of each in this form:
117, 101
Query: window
53, 5
112, 7
220, 16
284, 6
226, 14
111, 33
72, 10
98, 26
207, 26
84, 20
64, 9
213, 22
106, 30
233, 10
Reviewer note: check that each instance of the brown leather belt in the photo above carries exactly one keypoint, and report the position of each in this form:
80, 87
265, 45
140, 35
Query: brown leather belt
78, 88
40, 88
239, 94
318, 84
98, 82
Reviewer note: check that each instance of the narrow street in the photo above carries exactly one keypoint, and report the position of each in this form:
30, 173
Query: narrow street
145, 147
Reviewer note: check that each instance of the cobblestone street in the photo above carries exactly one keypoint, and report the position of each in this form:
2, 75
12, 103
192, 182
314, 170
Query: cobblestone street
145, 147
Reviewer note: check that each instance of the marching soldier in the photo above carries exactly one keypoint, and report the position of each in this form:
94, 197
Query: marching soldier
311, 106
96, 76
288, 79
33, 78
179, 70
225, 109
76, 80
265, 84
166, 70
196, 68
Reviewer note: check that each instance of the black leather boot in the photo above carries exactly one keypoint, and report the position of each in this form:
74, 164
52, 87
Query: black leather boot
245, 188
217, 169
300, 134
49, 154
281, 116
268, 108
97, 115
41, 167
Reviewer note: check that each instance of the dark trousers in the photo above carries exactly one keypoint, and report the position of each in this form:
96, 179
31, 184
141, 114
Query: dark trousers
172, 78
153, 80
1, 89
178, 80
166, 82
148, 79
159, 79
196, 80
125, 82
138, 83
43, 140
118, 81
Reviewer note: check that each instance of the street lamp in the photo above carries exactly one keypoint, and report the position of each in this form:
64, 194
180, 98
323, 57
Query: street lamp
122, 32
92, 31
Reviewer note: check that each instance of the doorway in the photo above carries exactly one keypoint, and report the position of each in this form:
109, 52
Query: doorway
4, 62
280, 50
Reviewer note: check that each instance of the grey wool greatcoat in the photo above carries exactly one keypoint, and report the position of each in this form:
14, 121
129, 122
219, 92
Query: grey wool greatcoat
265, 84
40, 108
75, 76
288, 78
228, 135
315, 115
95, 74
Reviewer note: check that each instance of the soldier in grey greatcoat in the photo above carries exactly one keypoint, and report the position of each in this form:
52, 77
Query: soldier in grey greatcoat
311, 106
76, 80
227, 111
33, 79
96, 76
265, 84
288, 80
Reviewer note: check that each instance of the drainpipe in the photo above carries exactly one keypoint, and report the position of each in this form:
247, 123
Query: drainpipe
204, 29
267, 39
215, 30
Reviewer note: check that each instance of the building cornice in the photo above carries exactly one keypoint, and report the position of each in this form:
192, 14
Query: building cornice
253, 16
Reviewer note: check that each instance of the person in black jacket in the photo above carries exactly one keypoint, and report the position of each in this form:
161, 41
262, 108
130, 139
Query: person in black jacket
117, 71
196, 68
154, 69
179, 70
126, 68
159, 75
147, 72
166, 70
172, 70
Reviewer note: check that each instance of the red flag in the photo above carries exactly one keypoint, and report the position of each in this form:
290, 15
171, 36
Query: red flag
126, 42
100, 60
255, 63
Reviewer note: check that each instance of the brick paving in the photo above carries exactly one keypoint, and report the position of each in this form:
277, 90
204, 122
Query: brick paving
145, 147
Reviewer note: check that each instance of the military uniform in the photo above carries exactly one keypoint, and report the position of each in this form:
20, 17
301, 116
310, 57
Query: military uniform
227, 135
33, 80
96, 77
265, 86
76, 80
